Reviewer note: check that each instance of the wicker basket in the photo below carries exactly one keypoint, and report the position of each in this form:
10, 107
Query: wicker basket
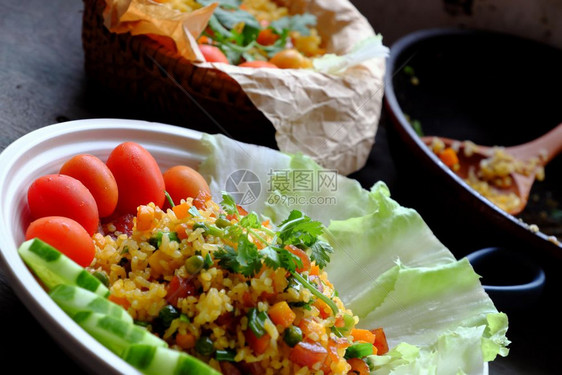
144, 72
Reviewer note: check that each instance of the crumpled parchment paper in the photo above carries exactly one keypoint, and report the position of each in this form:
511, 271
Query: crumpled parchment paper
331, 117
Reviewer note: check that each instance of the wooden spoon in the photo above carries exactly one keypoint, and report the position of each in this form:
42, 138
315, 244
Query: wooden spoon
539, 151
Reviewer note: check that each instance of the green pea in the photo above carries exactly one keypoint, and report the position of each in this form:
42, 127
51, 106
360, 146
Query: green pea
292, 336
194, 264
225, 355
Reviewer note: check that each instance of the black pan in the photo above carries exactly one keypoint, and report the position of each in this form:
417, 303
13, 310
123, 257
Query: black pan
490, 88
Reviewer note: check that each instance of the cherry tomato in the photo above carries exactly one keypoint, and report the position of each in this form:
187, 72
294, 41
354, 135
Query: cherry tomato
213, 54
61, 195
97, 177
66, 235
290, 59
258, 64
184, 182
138, 177
267, 37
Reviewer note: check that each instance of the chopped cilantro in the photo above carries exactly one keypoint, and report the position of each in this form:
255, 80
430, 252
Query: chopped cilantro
297, 22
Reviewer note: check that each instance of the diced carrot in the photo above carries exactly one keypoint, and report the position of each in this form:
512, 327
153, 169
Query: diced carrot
302, 255
363, 335
281, 314
181, 210
257, 344
380, 341
145, 217
449, 157
180, 230
358, 366
185, 340
120, 301
265, 223
314, 270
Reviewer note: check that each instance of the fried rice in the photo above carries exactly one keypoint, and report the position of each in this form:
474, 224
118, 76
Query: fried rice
146, 276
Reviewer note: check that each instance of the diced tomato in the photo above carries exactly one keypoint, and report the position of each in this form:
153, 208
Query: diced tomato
358, 366
323, 308
308, 353
200, 201
228, 368
253, 368
179, 288
229, 321
380, 341
257, 344
122, 223
241, 212
302, 255
247, 300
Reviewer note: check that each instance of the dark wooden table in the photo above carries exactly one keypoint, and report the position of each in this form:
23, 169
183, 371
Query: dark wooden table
42, 81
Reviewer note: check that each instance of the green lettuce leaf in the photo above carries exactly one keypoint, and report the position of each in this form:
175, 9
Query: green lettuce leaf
387, 265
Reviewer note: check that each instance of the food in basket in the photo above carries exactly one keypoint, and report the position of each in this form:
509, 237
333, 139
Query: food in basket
209, 278
149, 52
256, 30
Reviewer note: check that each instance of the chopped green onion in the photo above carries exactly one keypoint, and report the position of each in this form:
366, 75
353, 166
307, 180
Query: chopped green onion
209, 229
222, 222
167, 314
156, 240
194, 211
208, 261
316, 292
204, 345
225, 355
359, 350
256, 320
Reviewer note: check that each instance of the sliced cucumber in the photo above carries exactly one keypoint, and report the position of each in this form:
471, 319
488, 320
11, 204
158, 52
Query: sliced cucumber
117, 335
151, 360
73, 300
53, 267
